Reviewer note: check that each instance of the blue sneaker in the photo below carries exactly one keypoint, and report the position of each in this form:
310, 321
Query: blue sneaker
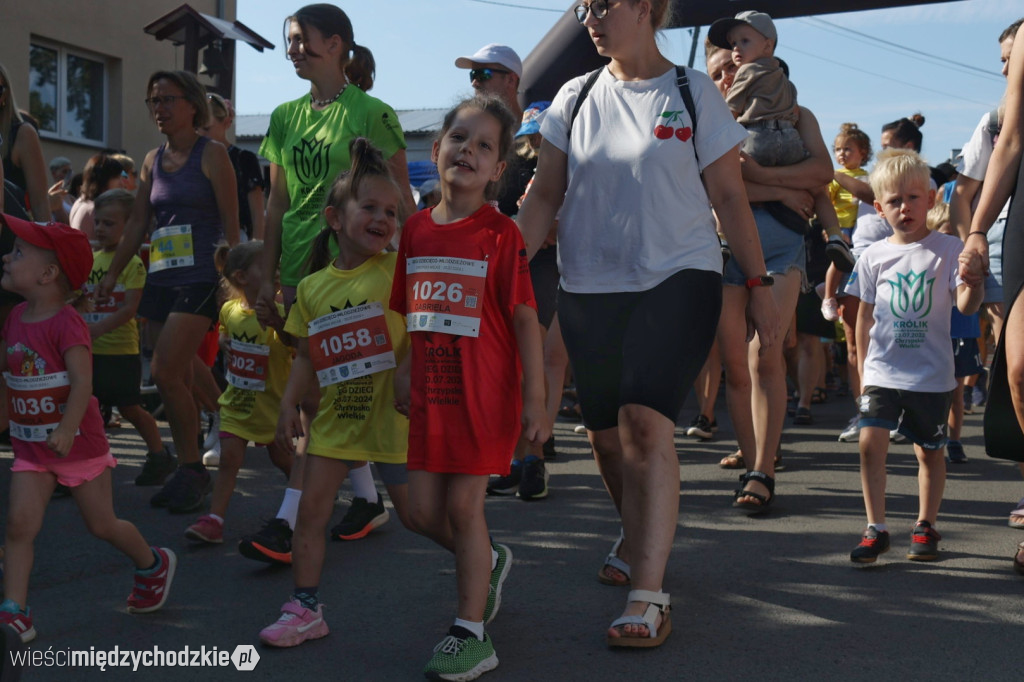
955, 452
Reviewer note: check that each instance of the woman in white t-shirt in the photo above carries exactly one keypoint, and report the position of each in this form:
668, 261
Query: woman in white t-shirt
640, 265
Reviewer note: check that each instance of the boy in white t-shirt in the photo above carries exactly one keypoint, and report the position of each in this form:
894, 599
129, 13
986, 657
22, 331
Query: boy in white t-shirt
906, 284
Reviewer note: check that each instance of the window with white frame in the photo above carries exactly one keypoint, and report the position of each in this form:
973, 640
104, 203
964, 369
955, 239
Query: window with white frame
68, 93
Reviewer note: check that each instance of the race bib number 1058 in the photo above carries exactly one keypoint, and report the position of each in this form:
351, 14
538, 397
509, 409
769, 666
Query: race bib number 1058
351, 343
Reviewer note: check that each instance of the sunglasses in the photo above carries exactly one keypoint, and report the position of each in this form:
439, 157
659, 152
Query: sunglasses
599, 8
484, 74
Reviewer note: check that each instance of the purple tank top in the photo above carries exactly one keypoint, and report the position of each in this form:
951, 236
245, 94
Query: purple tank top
184, 202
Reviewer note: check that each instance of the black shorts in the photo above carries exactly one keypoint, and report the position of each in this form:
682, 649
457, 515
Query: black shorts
640, 348
159, 302
921, 417
809, 319
966, 358
116, 379
544, 276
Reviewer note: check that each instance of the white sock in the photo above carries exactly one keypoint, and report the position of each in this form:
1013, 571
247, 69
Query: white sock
362, 484
216, 518
477, 628
494, 558
290, 506
880, 527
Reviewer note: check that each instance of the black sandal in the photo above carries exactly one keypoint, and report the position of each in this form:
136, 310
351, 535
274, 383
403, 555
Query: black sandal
763, 502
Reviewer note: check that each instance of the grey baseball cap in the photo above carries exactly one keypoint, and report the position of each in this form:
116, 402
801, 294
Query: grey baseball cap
759, 21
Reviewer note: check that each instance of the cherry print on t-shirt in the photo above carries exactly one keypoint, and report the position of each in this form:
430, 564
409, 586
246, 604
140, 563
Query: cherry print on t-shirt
665, 130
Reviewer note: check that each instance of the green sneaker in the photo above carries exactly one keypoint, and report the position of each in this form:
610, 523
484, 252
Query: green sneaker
460, 656
498, 575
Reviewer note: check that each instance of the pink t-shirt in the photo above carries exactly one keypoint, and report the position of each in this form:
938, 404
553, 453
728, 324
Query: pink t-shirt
37, 385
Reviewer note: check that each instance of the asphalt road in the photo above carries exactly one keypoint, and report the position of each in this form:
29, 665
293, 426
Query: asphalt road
774, 598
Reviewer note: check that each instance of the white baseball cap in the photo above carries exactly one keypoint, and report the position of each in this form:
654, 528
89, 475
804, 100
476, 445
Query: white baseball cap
493, 54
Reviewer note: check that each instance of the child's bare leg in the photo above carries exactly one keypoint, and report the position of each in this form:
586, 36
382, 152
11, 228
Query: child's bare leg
232, 453
29, 495
472, 543
145, 424
280, 458
428, 507
826, 212
956, 410
832, 279
399, 495
708, 381
931, 482
323, 477
874, 447
95, 502
850, 306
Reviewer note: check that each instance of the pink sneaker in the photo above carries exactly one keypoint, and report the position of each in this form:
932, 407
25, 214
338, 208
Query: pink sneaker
295, 626
206, 529
151, 591
21, 623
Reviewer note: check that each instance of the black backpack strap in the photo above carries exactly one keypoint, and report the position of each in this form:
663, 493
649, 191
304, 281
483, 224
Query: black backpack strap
587, 85
683, 81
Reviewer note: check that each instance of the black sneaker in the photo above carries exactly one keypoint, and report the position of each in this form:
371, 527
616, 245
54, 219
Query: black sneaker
157, 467
924, 543
955, 452
875, 542
839, 254
272, 544
185, 491
361, 518
507, 485
549, 448
534, 485
803, 416
701, 427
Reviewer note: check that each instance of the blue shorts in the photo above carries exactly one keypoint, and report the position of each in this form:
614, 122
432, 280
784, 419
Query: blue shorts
966, 358
919, 416
783, 250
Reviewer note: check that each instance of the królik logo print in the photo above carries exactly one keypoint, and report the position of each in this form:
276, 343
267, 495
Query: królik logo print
312, 162
911, 297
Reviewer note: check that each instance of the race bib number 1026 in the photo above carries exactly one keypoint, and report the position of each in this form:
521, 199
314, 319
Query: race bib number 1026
445, 294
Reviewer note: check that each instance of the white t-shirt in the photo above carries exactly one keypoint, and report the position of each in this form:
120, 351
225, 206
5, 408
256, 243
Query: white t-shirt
913, 289
976, 155
635, 210
871, 228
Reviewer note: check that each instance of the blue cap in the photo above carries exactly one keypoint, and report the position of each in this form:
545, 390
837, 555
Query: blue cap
532, 118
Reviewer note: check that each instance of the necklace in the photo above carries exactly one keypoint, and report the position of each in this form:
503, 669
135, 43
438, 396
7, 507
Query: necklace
325, 102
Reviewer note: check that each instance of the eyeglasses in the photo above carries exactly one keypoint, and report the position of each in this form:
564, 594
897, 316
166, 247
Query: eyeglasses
169, 100
484, 74
599, 8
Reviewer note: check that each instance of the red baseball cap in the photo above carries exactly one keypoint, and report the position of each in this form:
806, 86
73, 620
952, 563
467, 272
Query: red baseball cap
74, 253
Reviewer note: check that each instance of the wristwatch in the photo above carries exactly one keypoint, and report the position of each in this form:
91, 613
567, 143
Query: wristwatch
760, 281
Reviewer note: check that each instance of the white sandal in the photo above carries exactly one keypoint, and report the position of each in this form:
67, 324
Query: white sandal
657, 603
1017, 516
614, 561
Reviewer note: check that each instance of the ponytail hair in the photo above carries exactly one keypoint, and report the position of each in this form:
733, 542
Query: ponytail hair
367, 162
230, 260
330, 20
907, 130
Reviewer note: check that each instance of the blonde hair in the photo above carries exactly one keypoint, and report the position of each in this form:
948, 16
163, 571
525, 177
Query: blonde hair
851, 132
127, 162
8, 113
897, 167
938, 218
119, 198
231, 260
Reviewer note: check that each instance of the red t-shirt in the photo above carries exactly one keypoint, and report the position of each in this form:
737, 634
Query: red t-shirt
466, 395
37, 385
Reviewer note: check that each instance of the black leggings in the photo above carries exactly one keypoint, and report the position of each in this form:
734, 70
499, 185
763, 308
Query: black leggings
640, 348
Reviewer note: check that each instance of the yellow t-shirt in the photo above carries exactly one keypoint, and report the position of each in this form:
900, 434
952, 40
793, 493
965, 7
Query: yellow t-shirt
845, 203
256, 372
357, 418
123, 340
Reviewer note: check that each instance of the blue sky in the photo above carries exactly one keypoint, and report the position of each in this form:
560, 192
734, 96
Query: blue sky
872, 68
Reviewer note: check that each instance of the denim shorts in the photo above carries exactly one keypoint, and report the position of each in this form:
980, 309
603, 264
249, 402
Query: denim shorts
783, 250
